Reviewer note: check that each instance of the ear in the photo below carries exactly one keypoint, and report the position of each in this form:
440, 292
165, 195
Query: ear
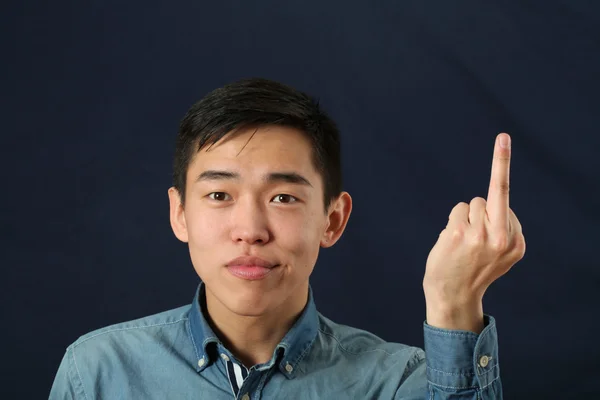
338, 214
177, 215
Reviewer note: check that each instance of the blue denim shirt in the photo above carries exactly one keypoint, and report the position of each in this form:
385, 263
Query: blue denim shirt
176, 355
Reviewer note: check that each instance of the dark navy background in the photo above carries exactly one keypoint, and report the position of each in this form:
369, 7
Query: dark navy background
92, 93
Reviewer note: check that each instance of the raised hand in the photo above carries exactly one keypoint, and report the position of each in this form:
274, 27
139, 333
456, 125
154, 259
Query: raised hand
481, 242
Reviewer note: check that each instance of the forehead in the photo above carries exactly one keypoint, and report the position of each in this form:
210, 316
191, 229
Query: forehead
258, 150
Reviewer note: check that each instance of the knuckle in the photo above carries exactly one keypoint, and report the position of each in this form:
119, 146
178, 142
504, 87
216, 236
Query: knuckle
457, 237
499, 243
459, 230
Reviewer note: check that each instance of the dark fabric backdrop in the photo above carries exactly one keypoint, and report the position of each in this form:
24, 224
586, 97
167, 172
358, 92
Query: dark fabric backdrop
92, 93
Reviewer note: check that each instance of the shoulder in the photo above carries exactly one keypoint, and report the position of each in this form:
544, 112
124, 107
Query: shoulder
133, 340
354, 341
149, 325
109, 357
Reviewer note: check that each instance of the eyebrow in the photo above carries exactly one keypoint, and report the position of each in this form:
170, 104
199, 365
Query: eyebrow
272, 177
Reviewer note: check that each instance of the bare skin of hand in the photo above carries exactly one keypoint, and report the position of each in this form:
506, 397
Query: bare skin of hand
481, 242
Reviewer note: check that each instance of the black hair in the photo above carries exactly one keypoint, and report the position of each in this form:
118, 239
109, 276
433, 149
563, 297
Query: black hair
259, 102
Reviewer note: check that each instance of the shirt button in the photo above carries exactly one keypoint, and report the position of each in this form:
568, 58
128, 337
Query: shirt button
246, 397
201, 362
224, 357
288, 367
483, 361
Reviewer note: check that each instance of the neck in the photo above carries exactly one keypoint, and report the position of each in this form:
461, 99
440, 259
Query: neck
253, 339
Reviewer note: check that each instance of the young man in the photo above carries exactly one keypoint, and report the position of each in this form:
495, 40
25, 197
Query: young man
257, 192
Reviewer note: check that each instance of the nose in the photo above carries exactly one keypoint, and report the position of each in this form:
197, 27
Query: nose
249, 223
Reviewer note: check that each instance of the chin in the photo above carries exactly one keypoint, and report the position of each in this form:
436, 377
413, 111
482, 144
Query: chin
251, 304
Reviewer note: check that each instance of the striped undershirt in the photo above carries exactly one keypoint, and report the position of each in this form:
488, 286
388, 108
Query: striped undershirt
237, 374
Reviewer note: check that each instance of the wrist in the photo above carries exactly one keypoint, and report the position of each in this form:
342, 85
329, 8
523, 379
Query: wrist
467, 316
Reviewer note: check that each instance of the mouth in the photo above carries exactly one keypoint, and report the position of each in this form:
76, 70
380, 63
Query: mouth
250, 272
250, 268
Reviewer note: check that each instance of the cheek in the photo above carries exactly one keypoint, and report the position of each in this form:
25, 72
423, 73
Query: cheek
301, 237
204, 229
204, 242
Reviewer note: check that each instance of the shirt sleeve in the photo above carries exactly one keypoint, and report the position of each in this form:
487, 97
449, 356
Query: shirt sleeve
67, 385
461, 364
458, 365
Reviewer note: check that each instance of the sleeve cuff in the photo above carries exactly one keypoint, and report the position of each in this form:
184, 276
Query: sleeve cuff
460, 359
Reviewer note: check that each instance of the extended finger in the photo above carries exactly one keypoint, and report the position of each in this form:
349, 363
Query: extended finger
498, 199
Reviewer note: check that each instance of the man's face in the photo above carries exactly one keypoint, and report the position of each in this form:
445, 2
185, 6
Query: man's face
249, 198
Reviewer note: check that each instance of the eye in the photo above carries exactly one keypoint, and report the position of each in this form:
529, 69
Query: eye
284, 198
219, 196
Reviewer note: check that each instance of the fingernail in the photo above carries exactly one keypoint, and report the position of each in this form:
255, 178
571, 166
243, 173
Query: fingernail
504, 141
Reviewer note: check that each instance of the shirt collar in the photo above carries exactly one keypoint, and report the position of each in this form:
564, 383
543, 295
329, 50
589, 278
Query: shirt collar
288, 353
